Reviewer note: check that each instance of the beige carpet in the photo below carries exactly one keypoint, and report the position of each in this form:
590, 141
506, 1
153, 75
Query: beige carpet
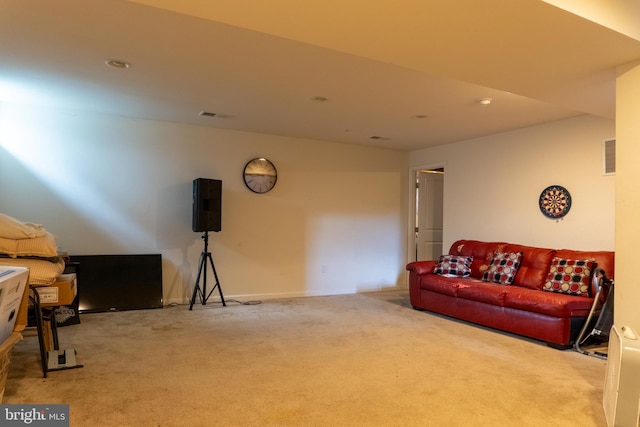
350, 360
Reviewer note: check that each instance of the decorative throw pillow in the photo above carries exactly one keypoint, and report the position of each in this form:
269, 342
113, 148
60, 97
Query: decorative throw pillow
568, 276
454, 265
503, 267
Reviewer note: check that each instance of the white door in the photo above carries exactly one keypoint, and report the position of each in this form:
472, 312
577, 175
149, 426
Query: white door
429, 214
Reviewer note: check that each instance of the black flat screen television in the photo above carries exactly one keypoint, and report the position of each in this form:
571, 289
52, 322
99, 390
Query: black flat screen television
118, 282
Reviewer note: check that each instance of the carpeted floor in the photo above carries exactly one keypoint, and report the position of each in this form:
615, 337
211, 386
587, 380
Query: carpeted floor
350, 360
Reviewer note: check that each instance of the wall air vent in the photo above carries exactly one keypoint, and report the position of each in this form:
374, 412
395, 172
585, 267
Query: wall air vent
609, 157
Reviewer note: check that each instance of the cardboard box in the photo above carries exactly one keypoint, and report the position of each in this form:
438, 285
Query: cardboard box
47, 335
23, 313
61, 292
13, 283
69, 314
5, 358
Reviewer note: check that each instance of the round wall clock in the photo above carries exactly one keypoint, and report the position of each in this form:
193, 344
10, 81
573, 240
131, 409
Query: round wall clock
260, 175
555, 201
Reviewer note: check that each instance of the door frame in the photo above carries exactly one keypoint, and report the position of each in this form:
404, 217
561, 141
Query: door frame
411, 223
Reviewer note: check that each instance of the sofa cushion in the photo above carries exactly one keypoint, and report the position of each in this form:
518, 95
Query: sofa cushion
454, 265
482, 252
477, 290
569, 276
441, 284
503, 267
534, 265
547, 303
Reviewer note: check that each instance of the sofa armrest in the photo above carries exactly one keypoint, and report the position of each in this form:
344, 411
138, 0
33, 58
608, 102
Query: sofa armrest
421, 267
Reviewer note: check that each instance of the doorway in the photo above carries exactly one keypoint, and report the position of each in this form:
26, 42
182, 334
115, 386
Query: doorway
429, 195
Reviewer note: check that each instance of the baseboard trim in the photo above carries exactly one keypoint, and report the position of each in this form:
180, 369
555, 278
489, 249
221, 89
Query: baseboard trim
215, 299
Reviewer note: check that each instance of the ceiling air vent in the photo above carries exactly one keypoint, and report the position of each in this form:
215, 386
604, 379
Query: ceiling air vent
207, 114
609, 156
216, 115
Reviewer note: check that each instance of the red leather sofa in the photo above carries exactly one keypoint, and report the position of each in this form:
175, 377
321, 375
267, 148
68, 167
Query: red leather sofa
521, 307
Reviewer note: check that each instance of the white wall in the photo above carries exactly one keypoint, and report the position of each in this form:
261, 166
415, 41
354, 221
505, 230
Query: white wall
627, 292
335, 222
492, 185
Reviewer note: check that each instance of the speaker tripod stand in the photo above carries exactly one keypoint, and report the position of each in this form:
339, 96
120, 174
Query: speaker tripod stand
202, 273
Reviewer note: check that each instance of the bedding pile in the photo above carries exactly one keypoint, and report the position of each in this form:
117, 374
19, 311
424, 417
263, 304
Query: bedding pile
24, 244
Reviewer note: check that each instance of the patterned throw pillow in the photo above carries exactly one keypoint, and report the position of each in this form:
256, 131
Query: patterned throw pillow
568, 276
503, 267
455, 265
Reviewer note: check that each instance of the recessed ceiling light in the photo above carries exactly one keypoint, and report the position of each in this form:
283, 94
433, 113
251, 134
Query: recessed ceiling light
485, 101
116, 63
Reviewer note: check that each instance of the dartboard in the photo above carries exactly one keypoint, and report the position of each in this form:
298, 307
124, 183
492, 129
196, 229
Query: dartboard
555, 201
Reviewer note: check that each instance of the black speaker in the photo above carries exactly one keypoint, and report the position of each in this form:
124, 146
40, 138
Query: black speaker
207, 205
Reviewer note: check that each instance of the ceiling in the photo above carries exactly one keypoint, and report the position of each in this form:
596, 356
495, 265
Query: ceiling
400, 74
